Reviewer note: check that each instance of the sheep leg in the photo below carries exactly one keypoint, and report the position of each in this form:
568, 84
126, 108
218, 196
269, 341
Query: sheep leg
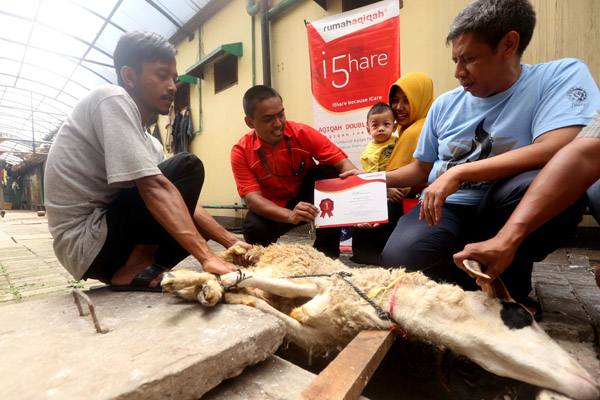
296, 332
279, 287
323, 302
180, 279
192, 285
314, 307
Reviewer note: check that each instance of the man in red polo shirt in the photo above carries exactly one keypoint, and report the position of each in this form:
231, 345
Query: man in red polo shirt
275, 171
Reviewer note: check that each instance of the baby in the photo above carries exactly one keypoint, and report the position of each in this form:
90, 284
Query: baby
380, 125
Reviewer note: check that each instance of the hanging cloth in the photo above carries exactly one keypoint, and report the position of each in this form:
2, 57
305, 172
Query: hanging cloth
155, 132
177, 133
169, 129
186, 130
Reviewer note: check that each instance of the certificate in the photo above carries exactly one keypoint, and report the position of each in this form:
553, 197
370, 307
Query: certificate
355, 200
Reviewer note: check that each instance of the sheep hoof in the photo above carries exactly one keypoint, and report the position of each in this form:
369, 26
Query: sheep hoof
299, 315
168, 283
210, 294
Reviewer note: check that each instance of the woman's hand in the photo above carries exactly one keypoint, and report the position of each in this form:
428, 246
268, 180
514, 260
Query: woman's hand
351, 172
367, 226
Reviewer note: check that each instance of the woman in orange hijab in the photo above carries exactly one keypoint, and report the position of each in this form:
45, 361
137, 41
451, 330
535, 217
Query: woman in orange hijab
410, 98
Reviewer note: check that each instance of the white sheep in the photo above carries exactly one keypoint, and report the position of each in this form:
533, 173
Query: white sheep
323, 313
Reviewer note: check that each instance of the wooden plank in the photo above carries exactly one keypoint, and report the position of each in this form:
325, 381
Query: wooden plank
348, 374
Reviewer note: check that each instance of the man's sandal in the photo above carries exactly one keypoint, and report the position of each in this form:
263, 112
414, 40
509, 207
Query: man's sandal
141, 283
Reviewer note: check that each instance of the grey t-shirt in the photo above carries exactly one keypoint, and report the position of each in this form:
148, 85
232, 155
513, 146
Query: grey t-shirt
100, 148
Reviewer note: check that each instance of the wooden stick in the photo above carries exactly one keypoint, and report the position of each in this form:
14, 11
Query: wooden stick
348, 374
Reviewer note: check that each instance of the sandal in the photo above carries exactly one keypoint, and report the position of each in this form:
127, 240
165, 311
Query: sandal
141, 283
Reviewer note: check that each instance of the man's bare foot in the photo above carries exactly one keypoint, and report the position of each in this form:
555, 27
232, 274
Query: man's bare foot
148, 280
138, 269
154, 283
125, 277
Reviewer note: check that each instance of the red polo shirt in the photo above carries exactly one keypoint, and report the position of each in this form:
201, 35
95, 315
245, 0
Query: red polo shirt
305, 142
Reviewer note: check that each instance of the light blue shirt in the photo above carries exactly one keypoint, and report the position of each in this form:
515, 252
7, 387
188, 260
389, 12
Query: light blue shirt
463, 128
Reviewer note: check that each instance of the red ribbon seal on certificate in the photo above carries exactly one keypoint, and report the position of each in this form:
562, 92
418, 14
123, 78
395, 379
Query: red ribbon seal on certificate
326, 207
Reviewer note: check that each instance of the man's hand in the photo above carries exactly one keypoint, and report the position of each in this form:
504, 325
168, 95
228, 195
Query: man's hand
496, 254
435, 196
242, 259
218, 266
395, 195
303, 212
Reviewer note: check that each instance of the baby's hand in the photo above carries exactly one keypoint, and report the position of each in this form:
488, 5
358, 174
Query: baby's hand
395, 195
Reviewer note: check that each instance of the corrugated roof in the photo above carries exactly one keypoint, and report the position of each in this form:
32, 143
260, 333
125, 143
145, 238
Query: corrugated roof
55, 51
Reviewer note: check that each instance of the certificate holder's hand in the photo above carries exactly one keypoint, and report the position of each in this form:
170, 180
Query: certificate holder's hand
435, 196
303, 212
395, 195
242, 259
351, 172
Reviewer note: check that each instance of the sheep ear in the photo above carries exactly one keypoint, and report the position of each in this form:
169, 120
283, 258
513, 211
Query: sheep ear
499, 290
496, 289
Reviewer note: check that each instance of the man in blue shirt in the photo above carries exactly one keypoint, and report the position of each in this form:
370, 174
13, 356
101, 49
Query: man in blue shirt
483, 144
552, 191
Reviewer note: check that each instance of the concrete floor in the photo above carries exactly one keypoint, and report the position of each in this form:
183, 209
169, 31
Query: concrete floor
564, 281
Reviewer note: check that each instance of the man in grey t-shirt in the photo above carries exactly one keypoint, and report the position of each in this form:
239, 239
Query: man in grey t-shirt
117, 210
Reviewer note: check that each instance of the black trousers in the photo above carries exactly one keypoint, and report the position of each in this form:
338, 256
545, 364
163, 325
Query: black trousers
418, 247
130, 223
263, 231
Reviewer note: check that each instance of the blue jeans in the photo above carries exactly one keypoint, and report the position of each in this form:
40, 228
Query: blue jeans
594, 199
418, 247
